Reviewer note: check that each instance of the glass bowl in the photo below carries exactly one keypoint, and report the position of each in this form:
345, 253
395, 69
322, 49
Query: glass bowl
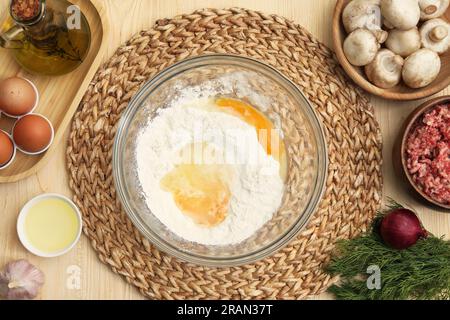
267, 90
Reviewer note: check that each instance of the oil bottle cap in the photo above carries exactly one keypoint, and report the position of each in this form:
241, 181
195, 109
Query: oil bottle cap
27, 11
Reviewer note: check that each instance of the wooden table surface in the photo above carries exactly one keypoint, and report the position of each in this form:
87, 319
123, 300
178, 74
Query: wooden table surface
127, 17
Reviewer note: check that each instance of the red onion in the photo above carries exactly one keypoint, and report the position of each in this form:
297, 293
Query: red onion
401, 229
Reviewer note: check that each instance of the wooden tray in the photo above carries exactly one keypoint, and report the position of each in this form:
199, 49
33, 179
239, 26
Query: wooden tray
59, 96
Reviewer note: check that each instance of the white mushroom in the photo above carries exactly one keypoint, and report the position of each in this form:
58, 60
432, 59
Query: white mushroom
385, 71
421, 68
401, 14
360, 47
404, 42
388, 25
430, 9
364, 14
435, 34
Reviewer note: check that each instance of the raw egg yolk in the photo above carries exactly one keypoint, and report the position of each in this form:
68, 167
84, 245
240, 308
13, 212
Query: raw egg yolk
259, 121
200, 191
268, 136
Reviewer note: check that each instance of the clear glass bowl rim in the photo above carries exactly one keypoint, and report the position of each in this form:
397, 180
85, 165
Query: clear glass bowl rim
210, 60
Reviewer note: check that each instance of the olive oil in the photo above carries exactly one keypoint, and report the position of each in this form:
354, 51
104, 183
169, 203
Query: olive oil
51, 225
54, 42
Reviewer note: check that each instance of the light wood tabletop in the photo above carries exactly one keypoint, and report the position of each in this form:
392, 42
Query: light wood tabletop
127, 17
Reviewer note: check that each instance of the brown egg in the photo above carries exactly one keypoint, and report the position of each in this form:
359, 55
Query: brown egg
32, 133
17, 96
6, 148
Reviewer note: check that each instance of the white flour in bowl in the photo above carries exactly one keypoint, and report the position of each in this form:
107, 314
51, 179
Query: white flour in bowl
256, 187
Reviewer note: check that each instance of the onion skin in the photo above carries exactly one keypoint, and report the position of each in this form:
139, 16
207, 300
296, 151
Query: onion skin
401, 229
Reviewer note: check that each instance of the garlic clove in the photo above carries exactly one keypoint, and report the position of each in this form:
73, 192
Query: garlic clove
20, 280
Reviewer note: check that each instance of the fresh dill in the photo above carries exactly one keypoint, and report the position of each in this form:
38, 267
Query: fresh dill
420, 272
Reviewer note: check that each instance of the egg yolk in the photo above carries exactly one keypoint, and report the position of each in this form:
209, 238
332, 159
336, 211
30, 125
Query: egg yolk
268, 136
200, 191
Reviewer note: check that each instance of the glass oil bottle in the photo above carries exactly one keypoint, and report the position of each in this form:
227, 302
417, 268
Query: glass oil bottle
49, 37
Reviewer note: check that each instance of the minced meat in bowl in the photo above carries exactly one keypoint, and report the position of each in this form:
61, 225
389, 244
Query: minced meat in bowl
427, 151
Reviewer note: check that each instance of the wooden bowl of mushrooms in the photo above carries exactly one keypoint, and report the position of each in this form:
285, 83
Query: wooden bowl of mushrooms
396, 49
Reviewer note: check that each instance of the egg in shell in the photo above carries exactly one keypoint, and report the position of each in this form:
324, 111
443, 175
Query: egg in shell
6, 149
33, 133
18, 96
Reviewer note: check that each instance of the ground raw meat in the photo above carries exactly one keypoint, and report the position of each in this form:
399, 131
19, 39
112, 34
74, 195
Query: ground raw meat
428, 153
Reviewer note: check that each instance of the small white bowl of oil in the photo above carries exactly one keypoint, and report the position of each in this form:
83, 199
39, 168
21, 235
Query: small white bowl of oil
49, 225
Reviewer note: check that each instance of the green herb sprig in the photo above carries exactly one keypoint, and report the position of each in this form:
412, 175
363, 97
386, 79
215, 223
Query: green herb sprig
420, 272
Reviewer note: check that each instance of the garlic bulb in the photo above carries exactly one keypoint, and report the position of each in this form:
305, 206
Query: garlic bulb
20, 280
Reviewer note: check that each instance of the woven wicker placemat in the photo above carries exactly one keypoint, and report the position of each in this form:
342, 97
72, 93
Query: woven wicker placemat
354, 182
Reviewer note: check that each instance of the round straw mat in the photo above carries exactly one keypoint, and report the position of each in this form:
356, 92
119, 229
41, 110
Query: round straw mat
354, 143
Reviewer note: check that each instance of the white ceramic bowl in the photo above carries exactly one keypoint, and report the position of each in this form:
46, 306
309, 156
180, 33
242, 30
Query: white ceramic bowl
21, 225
